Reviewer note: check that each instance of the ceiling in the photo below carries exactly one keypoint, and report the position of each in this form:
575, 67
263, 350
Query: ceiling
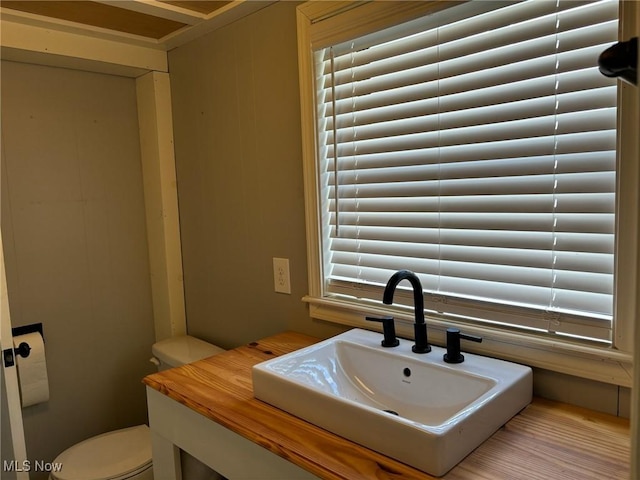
163, 23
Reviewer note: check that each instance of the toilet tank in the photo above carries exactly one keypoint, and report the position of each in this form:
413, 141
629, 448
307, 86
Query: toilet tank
176, 351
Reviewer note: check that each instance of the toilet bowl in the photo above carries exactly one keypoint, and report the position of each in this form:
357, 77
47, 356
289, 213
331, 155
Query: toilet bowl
126, 454
118, 455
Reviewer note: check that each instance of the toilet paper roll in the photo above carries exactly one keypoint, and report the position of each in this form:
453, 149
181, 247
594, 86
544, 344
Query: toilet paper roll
32, 370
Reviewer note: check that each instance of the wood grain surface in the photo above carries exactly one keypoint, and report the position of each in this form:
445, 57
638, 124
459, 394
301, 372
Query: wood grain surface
547, 440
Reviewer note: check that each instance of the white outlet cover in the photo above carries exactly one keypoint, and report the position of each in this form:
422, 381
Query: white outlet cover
281, 280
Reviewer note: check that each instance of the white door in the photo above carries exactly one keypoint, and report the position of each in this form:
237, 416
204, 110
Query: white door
14, 454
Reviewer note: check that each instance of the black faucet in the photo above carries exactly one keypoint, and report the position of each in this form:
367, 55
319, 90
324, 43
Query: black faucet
419, 327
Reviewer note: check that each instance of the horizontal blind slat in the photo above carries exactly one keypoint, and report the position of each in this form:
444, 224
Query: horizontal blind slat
527, 239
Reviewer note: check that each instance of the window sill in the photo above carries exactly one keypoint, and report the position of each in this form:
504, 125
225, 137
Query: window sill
602, 364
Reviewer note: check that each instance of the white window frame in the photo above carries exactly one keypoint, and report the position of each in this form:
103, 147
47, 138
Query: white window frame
607, 364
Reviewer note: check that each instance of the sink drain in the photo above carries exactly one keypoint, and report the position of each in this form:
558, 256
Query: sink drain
392, 412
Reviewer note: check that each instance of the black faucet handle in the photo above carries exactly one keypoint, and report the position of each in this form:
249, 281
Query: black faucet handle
388, 330
453, 354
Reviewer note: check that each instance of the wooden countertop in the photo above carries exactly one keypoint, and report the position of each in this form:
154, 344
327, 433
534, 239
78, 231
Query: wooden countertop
547, 440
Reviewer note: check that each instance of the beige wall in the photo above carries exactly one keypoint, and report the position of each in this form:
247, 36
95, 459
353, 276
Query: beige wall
238, 147
75, 245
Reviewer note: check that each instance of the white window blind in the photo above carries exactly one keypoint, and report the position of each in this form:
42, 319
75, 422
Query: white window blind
476, 147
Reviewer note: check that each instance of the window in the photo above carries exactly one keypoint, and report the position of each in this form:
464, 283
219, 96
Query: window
475, 146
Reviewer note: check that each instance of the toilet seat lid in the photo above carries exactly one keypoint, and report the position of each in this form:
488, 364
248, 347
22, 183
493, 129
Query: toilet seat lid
109, 456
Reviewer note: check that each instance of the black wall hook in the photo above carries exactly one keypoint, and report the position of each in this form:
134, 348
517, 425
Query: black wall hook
621, 60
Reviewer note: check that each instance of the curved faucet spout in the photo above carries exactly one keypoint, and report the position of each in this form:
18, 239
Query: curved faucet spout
418, 301
420, 326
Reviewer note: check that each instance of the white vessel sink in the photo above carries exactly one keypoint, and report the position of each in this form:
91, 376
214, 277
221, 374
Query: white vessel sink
412, 407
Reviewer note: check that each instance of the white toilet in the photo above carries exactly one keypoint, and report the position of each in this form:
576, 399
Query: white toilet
126, 454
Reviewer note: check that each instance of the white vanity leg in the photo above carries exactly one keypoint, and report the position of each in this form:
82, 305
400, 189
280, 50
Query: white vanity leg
224, 451
166, 458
